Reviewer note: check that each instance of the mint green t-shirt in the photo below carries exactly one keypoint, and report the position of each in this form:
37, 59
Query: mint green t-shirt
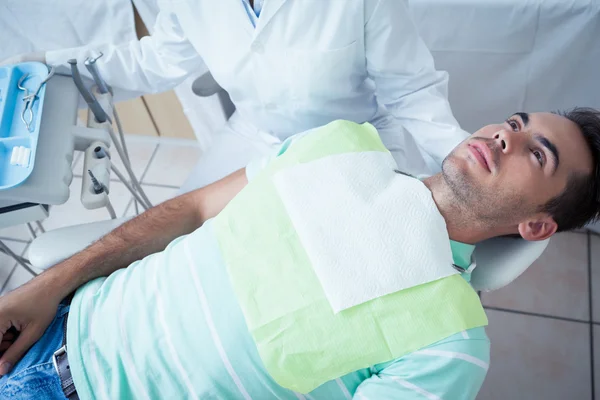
169, 327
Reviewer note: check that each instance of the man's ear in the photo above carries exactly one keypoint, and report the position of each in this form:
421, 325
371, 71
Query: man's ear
540, 228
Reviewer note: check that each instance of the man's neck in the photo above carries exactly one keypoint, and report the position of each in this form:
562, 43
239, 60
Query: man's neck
462, 225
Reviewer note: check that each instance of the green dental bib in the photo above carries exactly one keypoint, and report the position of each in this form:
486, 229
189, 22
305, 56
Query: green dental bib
300, 339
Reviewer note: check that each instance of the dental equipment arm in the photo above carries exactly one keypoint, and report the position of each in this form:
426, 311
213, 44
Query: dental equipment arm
89, 98
407, 82
153, 64
90, 65
31, 307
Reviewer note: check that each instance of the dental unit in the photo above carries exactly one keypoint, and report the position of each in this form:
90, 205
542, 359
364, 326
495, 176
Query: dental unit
38, 138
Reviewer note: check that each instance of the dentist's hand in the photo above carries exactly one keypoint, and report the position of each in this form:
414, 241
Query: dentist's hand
29, 310
39, 56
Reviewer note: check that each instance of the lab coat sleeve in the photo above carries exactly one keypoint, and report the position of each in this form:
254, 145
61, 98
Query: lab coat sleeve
452, 370
153, 64
406, 80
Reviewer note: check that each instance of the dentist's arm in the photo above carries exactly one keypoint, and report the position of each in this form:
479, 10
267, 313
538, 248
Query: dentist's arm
407, 82
155, 63
31, 308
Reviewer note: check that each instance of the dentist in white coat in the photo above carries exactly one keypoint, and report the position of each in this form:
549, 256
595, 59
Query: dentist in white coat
289, 66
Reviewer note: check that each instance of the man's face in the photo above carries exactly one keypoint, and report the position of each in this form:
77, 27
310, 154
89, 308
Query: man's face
505, 172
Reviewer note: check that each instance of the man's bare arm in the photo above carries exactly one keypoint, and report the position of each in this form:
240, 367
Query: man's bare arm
146, 234
30, 308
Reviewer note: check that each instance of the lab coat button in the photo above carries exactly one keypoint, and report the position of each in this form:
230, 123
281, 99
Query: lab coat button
257, 47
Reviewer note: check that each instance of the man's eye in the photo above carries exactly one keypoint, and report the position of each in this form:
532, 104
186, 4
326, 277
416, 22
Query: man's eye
539, 155
513, 124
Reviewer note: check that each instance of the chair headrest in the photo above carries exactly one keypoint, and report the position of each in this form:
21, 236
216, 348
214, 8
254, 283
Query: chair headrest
501, 260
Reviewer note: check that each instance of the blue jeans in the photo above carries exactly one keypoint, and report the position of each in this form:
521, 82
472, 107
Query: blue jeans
34, 376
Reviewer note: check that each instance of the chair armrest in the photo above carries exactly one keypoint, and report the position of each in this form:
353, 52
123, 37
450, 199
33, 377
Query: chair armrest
205, 85
57, 245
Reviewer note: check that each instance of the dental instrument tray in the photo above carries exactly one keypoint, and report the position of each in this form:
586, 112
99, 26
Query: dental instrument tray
22, 92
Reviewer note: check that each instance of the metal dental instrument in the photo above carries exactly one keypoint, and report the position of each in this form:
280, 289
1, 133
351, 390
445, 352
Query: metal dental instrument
20, 84
29, 99
97, 186
89, 98
90, 64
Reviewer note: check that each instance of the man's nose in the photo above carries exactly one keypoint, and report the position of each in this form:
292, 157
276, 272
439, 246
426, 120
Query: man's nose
506, 140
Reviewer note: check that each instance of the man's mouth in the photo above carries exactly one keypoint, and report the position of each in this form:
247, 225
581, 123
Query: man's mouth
482, 153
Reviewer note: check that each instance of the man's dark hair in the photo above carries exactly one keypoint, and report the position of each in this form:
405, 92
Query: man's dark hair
579, 203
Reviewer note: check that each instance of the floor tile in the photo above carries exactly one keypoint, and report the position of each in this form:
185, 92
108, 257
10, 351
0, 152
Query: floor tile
537, 358
156, 195
19, 277
73, 212
7, 264
16, 232
140, 153
595, 259
172, 164
77, 156
78, 164
556, 284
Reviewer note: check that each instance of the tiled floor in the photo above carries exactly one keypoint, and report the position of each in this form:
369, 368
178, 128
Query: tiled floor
160, 166
8, 266
537, 358
544, 327
545, 343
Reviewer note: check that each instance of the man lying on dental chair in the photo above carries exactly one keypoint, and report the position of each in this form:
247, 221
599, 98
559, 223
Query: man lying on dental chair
322, 272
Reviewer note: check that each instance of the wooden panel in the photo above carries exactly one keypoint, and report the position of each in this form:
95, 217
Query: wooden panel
167, 112
82, 114
135, 118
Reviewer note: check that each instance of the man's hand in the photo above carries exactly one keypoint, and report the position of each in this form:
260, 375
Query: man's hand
8, 339
28, 310
39, 56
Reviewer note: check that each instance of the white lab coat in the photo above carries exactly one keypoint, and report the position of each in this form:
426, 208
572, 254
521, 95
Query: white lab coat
307, 63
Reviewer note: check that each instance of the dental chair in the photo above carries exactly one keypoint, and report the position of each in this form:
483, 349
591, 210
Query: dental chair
498, 261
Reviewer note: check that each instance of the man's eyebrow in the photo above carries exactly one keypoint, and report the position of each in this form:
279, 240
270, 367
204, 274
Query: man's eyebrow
524, 117
550, 146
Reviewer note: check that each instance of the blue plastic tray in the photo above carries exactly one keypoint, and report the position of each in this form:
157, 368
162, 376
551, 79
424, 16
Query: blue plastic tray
13, 132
